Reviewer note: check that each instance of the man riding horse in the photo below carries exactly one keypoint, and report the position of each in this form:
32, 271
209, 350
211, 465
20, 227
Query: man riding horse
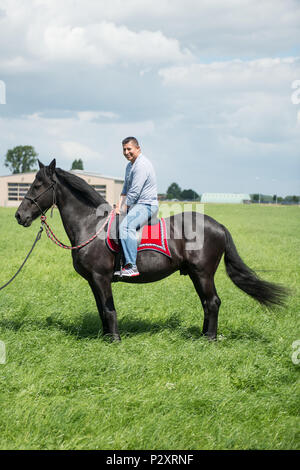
78, 204
138, 201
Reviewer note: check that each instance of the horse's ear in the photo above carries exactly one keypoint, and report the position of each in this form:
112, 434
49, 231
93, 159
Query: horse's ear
41, 165
52, 166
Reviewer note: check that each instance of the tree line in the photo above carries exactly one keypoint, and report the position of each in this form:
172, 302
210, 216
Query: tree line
174, 192
23, 159
274, 199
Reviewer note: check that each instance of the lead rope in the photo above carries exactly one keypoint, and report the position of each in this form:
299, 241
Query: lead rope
31, 250
56, 241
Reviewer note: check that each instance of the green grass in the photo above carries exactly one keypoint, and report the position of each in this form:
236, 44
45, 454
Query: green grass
163, 386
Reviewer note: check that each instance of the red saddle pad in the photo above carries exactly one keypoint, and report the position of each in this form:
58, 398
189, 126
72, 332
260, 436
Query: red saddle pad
154, 237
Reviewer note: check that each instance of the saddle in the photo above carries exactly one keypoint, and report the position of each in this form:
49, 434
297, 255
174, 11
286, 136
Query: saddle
152, 235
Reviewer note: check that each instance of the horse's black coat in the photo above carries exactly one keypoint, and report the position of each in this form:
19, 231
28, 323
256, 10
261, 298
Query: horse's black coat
82, 209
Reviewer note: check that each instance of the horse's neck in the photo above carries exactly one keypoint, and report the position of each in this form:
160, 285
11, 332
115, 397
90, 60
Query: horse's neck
79, 219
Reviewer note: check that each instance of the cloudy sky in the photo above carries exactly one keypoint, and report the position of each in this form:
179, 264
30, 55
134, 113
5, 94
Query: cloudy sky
205, 85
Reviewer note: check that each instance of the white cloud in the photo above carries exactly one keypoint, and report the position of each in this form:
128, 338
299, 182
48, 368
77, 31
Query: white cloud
98, 143
94, 115
205, 86
71, 150
237, 74
101, 32
44, 34
245, 99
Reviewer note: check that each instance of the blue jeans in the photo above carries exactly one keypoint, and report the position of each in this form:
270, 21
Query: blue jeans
137, 215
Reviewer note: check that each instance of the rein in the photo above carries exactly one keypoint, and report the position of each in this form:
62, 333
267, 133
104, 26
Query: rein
50, 233
55, 240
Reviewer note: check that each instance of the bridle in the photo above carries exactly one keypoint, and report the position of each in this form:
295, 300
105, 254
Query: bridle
34, 199
38, 237
50, 233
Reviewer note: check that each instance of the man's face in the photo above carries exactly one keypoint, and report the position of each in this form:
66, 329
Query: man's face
131, 151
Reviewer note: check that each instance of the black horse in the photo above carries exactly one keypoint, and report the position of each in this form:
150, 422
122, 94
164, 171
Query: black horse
79, 205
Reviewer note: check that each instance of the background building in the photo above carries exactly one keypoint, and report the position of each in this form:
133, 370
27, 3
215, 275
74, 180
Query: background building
14, 187
223, 198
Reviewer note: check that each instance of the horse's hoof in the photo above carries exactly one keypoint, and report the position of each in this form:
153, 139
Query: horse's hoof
112, 338
209, 337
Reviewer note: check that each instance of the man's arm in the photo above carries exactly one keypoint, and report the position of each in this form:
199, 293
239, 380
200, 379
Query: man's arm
121, 207
139, 178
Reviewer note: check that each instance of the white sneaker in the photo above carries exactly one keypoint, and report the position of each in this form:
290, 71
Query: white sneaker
129, 270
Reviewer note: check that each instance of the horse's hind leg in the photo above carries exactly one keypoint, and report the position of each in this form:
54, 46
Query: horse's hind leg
206, 290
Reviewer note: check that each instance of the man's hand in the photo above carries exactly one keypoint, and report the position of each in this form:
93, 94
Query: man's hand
117, 209
121, 207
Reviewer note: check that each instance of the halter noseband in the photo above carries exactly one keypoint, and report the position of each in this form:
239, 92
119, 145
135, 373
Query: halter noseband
34, 199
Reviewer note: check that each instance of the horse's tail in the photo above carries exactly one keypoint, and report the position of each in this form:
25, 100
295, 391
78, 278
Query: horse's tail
245, 278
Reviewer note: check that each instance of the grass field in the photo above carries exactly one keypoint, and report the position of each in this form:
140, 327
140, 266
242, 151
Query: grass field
163, 386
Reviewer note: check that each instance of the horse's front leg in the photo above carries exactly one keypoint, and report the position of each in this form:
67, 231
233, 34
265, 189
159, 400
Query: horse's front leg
101, 287
95, 291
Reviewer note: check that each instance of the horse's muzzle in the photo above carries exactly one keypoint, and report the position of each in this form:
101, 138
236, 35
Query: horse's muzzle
23, 220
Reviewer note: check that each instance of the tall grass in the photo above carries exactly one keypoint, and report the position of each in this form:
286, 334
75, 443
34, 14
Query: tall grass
163, 386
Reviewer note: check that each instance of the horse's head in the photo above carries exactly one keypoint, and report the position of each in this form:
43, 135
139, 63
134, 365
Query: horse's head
39, 197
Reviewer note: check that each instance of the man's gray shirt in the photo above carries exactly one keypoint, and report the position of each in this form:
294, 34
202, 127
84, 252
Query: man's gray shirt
140, 182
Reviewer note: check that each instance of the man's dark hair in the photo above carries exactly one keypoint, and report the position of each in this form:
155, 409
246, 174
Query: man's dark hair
130, 139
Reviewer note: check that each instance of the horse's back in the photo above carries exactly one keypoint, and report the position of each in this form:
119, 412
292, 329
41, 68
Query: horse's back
196, 238
192, 222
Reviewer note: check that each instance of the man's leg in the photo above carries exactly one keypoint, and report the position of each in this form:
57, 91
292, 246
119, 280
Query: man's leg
137, 216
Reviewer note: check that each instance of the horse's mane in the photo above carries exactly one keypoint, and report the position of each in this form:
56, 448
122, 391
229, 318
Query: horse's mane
81, 186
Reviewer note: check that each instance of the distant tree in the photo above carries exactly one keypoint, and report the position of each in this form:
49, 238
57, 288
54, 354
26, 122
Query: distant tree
261, 197
77, 164
266, 198
173, 191
254, 197
21, 159
294, 199
189, 195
